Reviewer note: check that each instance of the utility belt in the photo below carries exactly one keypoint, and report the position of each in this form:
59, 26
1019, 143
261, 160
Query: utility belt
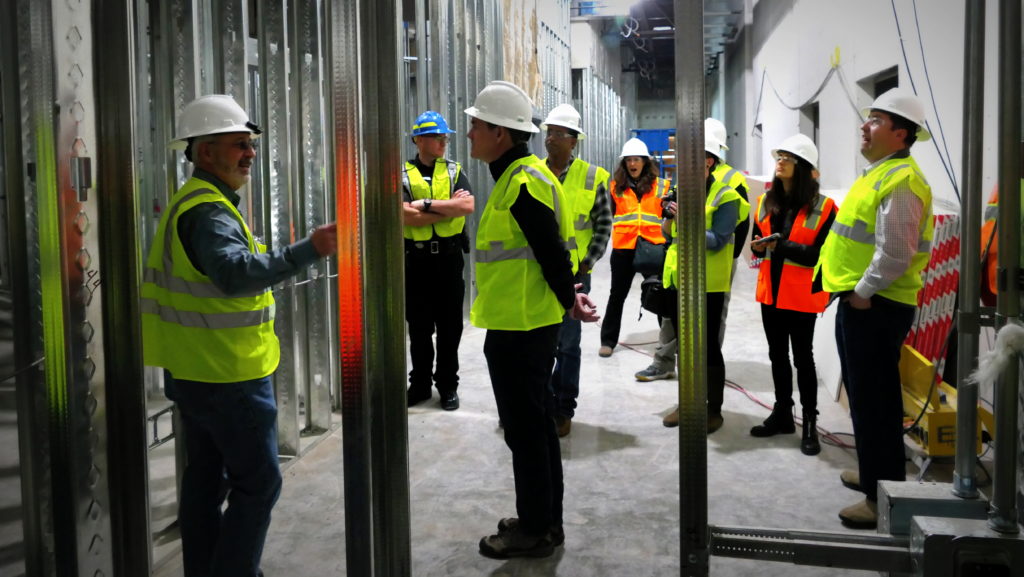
438, 245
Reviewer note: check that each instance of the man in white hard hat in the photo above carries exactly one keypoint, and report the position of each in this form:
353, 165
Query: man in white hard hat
208, 320
437, 198
872, 261
585, 186
664, 363
525, 249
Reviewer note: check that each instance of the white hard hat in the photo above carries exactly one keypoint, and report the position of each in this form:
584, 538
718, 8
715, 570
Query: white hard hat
713, 145
799, 145
211, 114
504, 104
715, 128
905, 104
566, 116
634, 147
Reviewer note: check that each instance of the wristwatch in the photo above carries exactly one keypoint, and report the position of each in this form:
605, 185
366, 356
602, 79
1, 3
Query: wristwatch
426, 204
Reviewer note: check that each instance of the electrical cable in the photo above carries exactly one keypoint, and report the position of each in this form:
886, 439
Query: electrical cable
22, 370
935, 108
913, 88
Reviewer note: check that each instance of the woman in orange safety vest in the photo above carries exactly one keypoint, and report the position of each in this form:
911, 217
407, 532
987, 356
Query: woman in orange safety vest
795, 210
636, 193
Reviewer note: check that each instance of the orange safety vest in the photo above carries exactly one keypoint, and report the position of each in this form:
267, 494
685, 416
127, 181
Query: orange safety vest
635, 218
990, 251
795, 282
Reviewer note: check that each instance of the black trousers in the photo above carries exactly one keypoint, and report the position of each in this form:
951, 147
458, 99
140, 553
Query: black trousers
782, 327
715, 303
622, 280
869, 344
434, 291
520, 365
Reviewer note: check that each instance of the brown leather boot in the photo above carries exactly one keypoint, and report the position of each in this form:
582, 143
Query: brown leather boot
862, 515
671, 419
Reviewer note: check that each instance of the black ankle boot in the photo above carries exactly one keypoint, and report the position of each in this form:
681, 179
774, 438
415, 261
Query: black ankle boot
780, 421
809, 443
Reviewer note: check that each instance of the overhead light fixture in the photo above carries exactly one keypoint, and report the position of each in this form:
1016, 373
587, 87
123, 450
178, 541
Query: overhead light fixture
662, 28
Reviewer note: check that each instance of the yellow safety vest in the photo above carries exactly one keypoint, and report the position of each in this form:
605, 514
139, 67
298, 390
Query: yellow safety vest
718, 262
729, 176
580, 186
441, 187
189, 326
850, 245
512, 294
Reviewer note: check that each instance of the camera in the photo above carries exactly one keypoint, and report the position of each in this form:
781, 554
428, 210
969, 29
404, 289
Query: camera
670, 197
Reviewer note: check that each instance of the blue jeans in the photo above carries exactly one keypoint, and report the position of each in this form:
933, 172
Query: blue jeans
565, 381
869, 344
230, 436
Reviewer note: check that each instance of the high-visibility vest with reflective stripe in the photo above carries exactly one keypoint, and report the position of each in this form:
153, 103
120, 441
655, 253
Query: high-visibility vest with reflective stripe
441, 187
850, 245
580, 187
794, 292
719, 261
189, 326
990, 240
633, 218
729, 176
512, 294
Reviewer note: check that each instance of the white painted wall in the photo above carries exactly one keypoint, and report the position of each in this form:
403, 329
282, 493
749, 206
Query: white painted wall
793, 42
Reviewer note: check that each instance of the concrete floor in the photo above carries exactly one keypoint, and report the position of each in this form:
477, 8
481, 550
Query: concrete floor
621, 470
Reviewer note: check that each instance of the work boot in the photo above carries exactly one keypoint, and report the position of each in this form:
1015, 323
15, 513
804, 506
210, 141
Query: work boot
862, 515
556, 533
715, 422
671, 419
809, 444
653, 373
563, 424
851, 480
417, 395
605, 351
780, 421
516, 543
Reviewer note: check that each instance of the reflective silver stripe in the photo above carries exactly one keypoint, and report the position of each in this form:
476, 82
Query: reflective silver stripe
498, 253
591, 177
728, 176
718, 197
453, 176
878, 183
650, 218
991, 212
814, 215
583, 223
623, 218
192, 319
858, 232
571, 243
924, 246
405, 181
762, 210
174, 284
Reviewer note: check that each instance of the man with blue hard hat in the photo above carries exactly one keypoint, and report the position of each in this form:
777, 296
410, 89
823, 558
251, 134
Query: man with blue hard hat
437, 198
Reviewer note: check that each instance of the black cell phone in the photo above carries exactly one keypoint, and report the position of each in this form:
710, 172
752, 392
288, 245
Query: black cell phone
769, 238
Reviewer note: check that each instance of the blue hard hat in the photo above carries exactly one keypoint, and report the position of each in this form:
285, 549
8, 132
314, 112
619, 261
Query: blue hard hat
430, 122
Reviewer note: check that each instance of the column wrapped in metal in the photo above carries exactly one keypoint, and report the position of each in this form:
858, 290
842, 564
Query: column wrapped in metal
1003, 512
118, 217
229, 49
18, 149
693, 456
179, 48
278, 190
969, 327
58, 108
320, 335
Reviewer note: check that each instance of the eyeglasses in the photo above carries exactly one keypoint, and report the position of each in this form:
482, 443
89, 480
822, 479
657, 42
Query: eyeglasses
556, 135
875, 120
243, 145
442, 138
785, 159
